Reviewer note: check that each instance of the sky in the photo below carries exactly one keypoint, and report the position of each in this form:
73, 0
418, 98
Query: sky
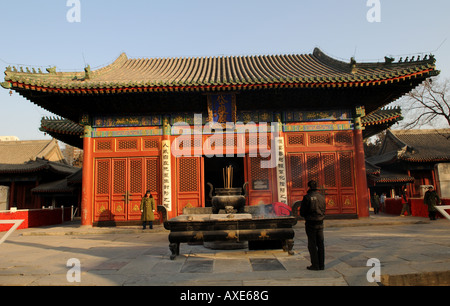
40, 34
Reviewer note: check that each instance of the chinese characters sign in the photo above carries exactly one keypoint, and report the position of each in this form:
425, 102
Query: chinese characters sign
222, 108
281, 170
166, 175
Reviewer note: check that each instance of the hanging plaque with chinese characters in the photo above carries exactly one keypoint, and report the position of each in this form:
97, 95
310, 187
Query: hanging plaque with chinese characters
166, 176
281, 170
222, 108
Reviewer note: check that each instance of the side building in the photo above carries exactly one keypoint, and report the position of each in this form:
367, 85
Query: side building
29, 165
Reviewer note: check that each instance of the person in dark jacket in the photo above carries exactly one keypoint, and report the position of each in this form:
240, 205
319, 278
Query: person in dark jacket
313, 210
375, 200
431, 199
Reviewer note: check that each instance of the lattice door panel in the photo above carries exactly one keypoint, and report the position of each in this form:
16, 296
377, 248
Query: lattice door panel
102, 188
260, 182
347, 189
296, 177
329, 170
188, 174
189, 183
119, 176
119, 183
136, 187
330, 182
313, 167
152, 175
136, 179
297, 171
346, 169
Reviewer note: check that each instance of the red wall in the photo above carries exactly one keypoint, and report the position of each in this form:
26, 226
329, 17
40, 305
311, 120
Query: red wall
35, 217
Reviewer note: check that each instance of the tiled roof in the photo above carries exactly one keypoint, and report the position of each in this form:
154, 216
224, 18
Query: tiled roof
414, 146
19, 152
372, 169
384, 115
386, 176
37, 166
67, 185
380, 120
64, 130
60, 186
75, 178
424, 145
220, 73
61, 126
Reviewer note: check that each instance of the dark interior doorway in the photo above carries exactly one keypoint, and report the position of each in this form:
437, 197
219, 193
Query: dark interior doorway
214, 173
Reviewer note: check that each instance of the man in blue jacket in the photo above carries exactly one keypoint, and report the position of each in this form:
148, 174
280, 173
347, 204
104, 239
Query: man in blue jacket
313, 210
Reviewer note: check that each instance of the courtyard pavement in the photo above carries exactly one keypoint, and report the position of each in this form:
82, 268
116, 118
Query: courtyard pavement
410, 250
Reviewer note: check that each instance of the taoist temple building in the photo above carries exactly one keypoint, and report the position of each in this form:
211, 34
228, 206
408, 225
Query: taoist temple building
171, 125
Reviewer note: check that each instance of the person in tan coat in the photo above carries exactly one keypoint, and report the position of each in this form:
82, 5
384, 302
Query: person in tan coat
148, 206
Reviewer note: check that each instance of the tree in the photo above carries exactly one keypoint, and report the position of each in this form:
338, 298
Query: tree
372, 145
428, 105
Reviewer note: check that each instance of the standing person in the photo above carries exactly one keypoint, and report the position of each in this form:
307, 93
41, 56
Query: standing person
383, 201
147, 208
375, 203
405, 204
431, 199
313, 210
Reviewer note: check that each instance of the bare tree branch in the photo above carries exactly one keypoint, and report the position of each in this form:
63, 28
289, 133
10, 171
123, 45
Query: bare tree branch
428, 104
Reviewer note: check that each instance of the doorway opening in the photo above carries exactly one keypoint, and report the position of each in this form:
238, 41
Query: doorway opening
214, 168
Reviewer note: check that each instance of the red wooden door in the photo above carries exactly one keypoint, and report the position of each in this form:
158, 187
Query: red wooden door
261, 182
332, 171
120, 184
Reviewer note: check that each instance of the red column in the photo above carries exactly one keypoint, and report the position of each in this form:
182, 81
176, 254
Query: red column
87, 203
362, 193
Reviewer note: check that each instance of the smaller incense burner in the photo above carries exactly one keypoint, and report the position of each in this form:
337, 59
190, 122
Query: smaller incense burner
228, 197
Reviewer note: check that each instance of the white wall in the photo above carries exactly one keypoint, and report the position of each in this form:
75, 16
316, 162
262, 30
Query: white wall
4, 197
443, 172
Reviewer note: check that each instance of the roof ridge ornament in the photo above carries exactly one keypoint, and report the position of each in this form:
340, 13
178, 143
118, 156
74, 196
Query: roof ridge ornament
88, 72
6, 85
353, 67
388, 60
51, 70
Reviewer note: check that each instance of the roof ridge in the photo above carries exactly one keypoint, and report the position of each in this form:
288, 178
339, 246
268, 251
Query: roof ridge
117, 63
326, 59
420, 131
